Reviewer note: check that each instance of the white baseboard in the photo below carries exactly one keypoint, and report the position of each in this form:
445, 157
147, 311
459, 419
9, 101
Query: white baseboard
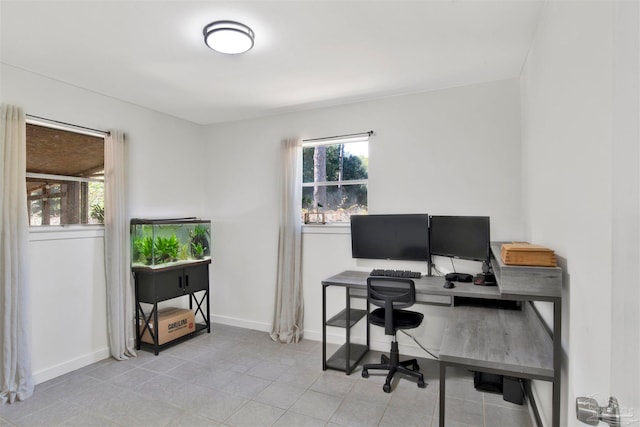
378, 345
241, 323
69, 366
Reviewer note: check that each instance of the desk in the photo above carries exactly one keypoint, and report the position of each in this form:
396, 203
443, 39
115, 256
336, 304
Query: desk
505, 342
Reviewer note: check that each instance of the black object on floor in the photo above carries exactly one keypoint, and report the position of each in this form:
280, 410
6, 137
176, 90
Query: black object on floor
491, 383
513, 390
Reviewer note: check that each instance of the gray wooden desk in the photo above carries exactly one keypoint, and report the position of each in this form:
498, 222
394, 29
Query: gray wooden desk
505, 342
429, 290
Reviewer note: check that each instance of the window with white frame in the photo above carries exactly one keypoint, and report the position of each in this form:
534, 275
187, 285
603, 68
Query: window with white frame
335, 173
65, 177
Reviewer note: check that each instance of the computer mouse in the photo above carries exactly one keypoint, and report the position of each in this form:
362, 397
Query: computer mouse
449, 285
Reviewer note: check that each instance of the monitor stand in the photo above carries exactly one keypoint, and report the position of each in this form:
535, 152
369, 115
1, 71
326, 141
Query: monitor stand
486, 278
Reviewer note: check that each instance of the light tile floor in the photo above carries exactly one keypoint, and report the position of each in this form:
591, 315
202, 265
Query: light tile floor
239, 377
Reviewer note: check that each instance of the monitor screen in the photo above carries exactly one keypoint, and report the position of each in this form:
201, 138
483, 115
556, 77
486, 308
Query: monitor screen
465, 237
397, 237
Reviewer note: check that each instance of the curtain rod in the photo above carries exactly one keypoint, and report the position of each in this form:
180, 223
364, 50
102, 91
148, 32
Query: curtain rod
104, 132
368, 133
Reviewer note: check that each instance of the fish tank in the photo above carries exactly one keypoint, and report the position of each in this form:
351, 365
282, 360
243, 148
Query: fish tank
159, 243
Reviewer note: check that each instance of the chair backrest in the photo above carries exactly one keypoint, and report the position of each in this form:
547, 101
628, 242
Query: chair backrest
391, 293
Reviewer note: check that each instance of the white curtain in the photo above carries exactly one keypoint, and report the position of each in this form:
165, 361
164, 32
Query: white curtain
289, 312
16, 382
120, 305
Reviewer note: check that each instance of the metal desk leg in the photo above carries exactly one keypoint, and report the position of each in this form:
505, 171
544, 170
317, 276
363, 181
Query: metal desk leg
557, 361
348, 333
324, 327
367, 320
443, 374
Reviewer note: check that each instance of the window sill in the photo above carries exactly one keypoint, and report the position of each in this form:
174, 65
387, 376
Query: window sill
336, 228
62, 232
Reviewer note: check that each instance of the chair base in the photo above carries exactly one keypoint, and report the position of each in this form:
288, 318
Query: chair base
393, 365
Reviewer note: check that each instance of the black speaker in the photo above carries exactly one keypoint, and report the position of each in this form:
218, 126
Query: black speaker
513, 390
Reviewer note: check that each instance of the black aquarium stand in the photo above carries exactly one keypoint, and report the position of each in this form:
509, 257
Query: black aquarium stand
154, 285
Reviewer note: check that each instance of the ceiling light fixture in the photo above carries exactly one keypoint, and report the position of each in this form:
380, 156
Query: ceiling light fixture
229, 37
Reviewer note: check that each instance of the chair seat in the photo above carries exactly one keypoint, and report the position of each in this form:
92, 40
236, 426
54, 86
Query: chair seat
402, 319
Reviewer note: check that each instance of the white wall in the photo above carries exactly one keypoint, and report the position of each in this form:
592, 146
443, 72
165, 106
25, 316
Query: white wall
454, 151
165, 171
581, 186
625, 292
68, 301
451, 151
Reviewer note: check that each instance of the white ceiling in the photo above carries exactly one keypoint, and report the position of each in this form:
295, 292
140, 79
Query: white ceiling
307, 53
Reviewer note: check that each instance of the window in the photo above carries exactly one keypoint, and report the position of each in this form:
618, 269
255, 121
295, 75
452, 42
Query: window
65, 177
334, 179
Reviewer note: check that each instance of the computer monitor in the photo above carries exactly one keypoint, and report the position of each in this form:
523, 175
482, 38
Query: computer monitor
395, 237
464, 237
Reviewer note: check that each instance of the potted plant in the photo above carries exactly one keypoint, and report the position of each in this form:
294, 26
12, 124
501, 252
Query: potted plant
316, 217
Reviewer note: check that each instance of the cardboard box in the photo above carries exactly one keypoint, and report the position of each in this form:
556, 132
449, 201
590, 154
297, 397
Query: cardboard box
173, 323
527, 254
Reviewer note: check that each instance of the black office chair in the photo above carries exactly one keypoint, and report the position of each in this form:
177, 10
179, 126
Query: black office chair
391, 294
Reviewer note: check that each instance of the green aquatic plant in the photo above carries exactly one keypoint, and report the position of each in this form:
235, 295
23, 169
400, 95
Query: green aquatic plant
143, 250
184, 252
197, 250
199, 240
166, 249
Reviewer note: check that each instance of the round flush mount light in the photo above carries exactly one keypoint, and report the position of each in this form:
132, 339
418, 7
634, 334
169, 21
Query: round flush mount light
229, 37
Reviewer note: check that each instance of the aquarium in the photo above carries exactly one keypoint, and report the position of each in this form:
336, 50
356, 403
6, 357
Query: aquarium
159, 243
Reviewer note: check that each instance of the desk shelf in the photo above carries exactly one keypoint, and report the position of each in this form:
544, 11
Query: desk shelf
339, 359
525, 282
347, 357
507, 342
340, 319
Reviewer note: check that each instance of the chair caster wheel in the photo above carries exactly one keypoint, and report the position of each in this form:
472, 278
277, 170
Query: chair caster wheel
421, 384
365, 373
386, 388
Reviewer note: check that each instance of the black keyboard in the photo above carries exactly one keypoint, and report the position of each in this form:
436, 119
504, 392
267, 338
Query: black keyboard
396, 273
